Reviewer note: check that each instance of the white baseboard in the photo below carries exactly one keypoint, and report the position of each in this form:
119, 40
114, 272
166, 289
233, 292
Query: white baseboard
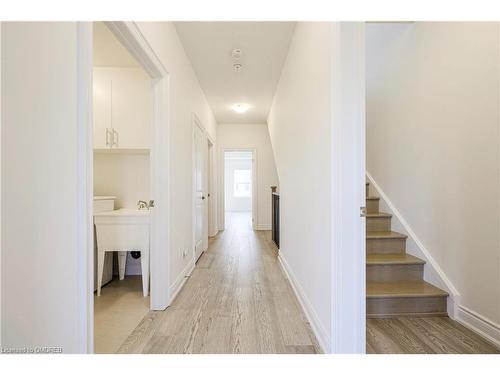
479, 324
433, 273
319, 331
181, 279
263, 227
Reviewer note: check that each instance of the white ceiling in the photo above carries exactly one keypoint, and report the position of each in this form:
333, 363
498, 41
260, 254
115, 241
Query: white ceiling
108, 51
264, 45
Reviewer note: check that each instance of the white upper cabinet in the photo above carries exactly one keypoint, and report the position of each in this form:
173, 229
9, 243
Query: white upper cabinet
122, 108
101, 109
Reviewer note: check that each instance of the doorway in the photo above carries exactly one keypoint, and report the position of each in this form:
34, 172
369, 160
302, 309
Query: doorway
239, 186
127, 154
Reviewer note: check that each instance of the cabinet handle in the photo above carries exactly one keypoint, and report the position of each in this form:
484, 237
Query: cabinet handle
107, 137
115, 140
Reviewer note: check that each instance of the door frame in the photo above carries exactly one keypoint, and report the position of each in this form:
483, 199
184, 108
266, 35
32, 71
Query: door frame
348, 260
222, 188
212, 189
129, 34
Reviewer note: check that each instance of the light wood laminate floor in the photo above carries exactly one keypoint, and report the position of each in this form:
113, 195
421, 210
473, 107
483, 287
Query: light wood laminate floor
438, 335
236, 301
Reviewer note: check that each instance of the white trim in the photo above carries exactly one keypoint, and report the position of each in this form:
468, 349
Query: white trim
129, 34
347, 158
181, 280
212, 188
479, 324
0, 184
433, 272
318, 329
84, 147
222, 188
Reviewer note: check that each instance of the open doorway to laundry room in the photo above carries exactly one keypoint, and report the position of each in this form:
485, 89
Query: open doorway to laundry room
130, 199
239, 189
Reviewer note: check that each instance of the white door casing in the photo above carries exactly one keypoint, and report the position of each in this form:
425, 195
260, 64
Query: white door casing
348, 296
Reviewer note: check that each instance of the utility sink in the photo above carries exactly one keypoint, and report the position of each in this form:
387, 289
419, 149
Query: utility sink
123, 230
122, 216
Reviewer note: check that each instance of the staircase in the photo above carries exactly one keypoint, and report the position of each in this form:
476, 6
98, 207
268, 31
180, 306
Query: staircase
394, 279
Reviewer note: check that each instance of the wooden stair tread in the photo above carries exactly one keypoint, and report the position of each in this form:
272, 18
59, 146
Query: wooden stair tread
388, 234
378, 214
387, 259
403, 290
373, 198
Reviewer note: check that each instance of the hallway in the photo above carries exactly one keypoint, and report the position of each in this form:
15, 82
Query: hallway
236, 301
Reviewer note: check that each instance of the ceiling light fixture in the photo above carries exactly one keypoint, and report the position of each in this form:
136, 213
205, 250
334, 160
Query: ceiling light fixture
240, 107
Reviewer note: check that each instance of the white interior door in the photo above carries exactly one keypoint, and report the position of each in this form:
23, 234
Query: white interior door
200, 146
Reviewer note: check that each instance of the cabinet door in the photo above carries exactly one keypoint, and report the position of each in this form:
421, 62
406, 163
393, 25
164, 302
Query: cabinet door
131, 108
102, 107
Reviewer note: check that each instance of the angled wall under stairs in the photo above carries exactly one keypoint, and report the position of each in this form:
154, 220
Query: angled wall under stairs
394, 280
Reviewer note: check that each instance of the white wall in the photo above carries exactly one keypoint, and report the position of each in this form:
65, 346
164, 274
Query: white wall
0, 184
316, 126
186, 99
233, 203
254, 136
126, 176
40, 182
39, 263
299, 127
433, 145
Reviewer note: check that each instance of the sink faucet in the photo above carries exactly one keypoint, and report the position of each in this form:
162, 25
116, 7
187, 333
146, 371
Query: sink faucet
141, 205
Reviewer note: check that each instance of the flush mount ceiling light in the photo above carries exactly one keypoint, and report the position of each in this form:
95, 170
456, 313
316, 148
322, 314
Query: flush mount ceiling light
240, 107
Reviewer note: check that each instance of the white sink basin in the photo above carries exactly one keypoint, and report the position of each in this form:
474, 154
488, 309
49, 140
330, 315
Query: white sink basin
122, 216
123, 230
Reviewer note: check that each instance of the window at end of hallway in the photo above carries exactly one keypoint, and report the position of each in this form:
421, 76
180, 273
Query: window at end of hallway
242, 183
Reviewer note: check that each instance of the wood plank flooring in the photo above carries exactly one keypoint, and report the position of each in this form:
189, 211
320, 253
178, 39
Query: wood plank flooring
427, 335
236, 301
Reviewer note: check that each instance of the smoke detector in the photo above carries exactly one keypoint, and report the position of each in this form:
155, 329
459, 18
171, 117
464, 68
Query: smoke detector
237, 67
236, 54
